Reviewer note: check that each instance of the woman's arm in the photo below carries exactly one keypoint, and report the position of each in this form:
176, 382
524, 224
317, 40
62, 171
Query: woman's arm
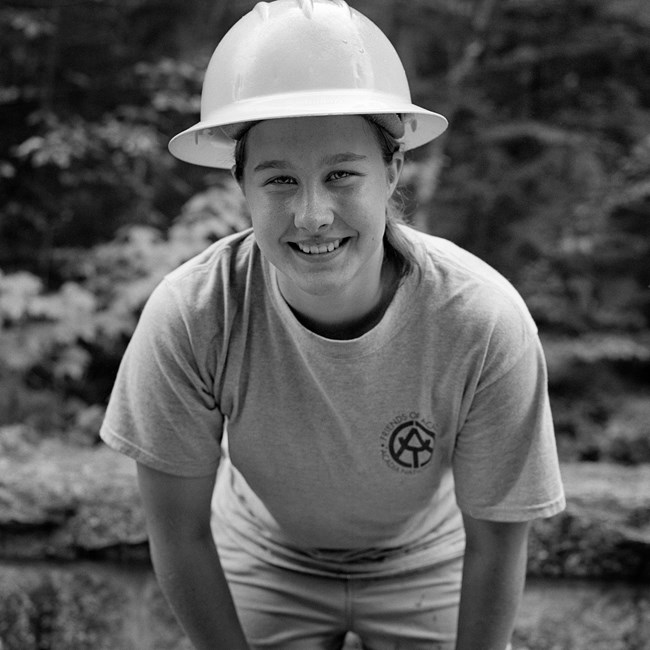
185, 558
494, 573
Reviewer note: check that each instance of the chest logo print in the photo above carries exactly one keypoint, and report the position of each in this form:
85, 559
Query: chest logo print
408, 442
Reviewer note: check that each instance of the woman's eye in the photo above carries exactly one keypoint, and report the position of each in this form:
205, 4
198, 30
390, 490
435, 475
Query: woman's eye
338, 176
281, 180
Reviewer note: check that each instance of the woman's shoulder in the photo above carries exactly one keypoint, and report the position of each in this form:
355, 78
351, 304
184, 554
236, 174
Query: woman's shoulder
233, 250
471, 294
220, 267
454, 267
209, 286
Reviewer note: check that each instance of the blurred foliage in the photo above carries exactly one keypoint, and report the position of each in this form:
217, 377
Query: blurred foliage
543, 173
60, 349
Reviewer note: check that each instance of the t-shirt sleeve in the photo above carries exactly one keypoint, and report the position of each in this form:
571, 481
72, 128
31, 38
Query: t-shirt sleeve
163, 412
505, 460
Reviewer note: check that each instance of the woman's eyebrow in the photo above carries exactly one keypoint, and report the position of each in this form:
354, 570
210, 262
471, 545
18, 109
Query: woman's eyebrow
272, 164
334, 159
348, 156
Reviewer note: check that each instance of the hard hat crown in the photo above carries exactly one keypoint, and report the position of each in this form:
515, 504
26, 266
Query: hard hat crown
281, 47
291, 58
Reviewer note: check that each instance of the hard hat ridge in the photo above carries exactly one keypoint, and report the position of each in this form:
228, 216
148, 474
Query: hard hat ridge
298, 58
262, 8
307, 7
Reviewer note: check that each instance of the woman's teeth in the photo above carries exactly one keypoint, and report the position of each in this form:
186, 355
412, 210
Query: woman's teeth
322, 248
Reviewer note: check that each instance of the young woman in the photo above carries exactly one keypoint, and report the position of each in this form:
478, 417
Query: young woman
384, 392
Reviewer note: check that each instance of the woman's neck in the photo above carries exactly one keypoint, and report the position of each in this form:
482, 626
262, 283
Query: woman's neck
341, 319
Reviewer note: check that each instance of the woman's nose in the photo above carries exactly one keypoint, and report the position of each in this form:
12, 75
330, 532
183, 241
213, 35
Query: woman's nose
312, 211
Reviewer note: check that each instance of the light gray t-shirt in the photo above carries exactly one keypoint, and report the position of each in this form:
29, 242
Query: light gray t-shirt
352, 456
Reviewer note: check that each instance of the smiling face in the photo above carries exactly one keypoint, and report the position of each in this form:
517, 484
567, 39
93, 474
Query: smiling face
317, 189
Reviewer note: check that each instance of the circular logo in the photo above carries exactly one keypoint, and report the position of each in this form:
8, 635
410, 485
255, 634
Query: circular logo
409, 444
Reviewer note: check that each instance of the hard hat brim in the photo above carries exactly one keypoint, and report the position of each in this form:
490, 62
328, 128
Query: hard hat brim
206, 144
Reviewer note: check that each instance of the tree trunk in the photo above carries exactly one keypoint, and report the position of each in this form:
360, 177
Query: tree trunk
429, 169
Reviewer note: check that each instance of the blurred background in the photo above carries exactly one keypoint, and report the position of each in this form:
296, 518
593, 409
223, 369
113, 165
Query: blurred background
544, 173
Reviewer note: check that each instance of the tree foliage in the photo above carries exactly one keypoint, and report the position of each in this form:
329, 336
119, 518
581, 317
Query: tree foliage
543, 172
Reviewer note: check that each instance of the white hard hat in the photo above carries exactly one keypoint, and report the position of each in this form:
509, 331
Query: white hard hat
297, 58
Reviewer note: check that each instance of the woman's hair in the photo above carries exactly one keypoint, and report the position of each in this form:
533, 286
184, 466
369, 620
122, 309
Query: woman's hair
397, 247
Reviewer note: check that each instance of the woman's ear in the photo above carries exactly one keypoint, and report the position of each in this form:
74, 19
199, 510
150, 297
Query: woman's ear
394, 171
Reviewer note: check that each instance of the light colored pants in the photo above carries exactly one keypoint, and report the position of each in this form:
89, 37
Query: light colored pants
282, 609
